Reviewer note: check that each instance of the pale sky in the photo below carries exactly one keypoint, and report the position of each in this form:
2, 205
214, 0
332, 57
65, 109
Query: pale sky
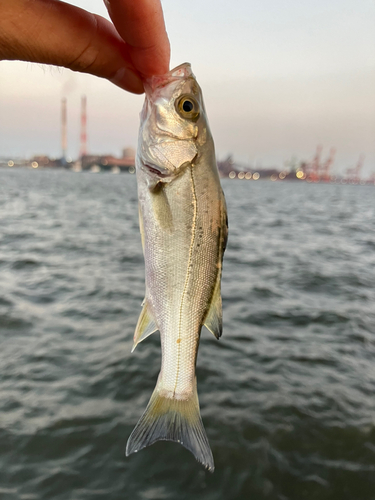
278, 77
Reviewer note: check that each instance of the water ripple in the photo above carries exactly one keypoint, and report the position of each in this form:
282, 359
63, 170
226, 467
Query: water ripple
286, 394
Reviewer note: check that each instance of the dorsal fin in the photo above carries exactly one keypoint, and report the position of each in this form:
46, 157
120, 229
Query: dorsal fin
145, 326
214, 317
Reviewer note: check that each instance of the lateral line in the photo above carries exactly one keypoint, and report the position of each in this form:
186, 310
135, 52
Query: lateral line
188, 272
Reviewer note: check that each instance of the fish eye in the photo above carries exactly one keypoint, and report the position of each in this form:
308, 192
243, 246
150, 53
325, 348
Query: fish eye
187, 107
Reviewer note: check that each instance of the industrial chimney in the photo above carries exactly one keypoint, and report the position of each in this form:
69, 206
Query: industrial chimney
83, 147
63, 130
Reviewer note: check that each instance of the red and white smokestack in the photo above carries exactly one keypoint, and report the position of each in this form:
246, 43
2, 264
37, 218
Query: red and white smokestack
63, 128
83, 148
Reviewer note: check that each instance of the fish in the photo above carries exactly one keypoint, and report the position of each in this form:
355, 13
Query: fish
184, 226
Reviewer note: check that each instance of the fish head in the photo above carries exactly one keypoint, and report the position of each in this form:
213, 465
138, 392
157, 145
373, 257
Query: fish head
173, 124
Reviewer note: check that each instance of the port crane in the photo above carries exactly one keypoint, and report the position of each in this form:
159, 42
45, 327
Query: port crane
312, 170
324, 170
317, 171
354, 174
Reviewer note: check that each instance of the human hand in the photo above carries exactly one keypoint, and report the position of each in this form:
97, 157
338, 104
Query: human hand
53, 32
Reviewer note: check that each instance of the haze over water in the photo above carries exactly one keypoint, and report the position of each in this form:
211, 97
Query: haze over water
278, 79
287, 394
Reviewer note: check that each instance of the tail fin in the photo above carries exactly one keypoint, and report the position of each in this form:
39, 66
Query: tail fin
172, 420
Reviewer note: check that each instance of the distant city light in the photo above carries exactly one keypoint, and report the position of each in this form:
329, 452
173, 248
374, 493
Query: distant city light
273, 177
248, 175
35, 164
282, 175
256, 176
300, 175
232, 175
131, 170
10, 163
241, 175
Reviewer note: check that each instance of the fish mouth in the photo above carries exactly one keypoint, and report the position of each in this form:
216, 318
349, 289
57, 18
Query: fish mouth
156, 170
181, 72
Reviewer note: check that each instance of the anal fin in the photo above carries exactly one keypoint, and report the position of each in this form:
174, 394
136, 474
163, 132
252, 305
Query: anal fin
145, 326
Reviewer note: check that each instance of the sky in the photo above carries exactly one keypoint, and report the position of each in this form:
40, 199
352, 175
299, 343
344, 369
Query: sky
278, 78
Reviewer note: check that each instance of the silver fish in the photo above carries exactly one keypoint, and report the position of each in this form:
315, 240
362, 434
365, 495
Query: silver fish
183, 223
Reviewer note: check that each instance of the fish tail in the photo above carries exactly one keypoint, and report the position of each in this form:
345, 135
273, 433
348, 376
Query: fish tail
176, 420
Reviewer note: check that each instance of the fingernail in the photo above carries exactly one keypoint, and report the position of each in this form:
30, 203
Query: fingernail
128, 80
107, 4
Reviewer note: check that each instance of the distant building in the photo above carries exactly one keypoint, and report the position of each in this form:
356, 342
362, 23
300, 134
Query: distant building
128, 153
109, 162
43, 161
226, 166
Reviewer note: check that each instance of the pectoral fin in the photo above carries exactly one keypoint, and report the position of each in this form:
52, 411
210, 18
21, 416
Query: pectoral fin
145, 326
161, 208
141, 229
214, 318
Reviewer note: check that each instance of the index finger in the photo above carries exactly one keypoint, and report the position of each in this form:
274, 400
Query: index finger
141, 24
